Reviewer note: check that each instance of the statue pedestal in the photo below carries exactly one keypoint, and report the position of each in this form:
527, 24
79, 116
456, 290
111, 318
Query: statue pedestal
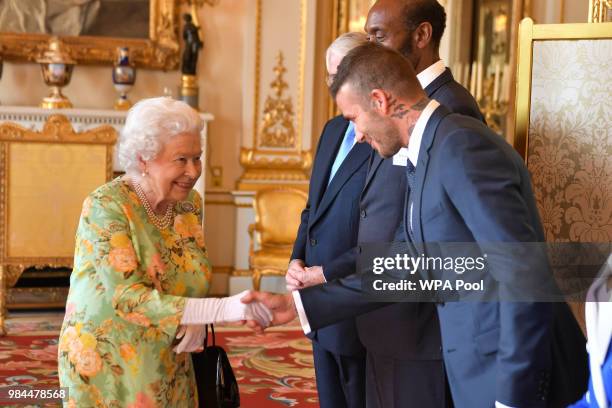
189, 90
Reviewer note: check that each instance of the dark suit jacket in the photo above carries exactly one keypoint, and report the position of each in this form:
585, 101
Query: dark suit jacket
402, 330
330, 221
453, 96
471, 186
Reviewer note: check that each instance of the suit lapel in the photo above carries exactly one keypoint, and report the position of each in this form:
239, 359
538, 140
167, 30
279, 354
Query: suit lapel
358, 154
440, 81
325, 160
376, 161
421, 170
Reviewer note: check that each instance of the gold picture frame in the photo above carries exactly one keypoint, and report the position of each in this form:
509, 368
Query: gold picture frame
159, 51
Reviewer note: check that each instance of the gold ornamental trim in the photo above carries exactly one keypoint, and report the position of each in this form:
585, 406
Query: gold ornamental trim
159, 51
280, 158
58, 129
301, 69
598, 10
277, 128
275, 161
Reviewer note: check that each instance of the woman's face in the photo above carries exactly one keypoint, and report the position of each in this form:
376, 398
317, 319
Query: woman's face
173, 173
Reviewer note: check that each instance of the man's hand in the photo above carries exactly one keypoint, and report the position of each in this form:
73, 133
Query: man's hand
305, 277
281, 306
296, 268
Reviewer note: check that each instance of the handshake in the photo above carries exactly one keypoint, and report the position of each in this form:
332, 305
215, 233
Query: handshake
258, 310
282, 307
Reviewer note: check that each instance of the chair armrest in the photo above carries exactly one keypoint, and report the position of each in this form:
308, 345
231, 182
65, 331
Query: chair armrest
254, 227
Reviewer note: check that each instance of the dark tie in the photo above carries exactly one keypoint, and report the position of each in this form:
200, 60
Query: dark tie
410, 179
410, 174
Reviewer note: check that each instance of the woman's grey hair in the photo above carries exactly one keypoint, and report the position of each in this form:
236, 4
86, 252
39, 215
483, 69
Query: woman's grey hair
149, 125
343, 44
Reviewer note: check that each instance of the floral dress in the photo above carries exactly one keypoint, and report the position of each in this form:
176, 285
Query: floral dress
128, 289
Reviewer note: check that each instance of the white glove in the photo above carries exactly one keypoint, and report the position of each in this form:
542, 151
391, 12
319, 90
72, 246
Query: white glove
229, 309
192, 338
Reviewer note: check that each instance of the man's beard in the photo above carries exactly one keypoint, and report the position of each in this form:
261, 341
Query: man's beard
391, 143
406, 47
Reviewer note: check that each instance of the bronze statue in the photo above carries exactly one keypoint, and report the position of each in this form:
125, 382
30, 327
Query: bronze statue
193, 44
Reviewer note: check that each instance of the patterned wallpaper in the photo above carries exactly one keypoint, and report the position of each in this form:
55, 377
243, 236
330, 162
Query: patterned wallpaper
570, 139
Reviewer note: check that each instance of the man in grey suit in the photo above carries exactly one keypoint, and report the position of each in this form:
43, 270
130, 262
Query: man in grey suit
402, 340
467, 185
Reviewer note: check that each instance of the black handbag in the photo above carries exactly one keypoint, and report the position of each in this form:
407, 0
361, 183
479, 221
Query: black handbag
217, 385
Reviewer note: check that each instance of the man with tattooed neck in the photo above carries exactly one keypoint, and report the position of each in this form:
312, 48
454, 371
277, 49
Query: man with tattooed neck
468, 186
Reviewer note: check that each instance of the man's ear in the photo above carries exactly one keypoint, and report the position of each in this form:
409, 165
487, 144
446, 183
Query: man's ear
421, 37
379, 101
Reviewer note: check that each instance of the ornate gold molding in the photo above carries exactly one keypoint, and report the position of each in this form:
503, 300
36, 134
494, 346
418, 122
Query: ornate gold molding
277, 155
277, 128
598, 10
159, 51
58, 129
275, 168
12, 274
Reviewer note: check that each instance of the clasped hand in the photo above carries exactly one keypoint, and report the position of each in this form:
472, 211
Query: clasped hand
299, 276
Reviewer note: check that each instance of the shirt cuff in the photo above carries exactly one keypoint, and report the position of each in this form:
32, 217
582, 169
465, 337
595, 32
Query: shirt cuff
297, 300
500, 405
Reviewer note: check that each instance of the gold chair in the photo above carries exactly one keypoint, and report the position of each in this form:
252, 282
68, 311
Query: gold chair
561, 130
44, 178
277, 218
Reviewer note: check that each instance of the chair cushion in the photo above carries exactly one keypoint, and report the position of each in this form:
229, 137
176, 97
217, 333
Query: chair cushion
278, 214
272, 258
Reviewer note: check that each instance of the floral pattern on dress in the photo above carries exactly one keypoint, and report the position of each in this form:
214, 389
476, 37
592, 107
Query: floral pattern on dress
127, 293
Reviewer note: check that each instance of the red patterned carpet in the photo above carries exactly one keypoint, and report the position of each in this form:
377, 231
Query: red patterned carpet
273, 370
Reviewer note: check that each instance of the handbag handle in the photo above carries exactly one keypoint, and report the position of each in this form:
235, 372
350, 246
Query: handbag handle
212, 329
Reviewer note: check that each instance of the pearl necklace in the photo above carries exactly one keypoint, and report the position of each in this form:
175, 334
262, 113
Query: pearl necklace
160, 222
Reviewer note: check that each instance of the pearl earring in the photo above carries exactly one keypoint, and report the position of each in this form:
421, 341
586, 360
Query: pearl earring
143, 174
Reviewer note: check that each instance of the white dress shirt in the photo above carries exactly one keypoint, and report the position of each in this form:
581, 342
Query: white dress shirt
429, 74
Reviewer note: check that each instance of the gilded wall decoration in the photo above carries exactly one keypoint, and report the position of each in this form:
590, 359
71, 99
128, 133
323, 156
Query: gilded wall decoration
277, 154
600, 11
570, 139
277, 128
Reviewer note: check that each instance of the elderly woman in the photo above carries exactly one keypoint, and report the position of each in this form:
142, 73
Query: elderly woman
141, 271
